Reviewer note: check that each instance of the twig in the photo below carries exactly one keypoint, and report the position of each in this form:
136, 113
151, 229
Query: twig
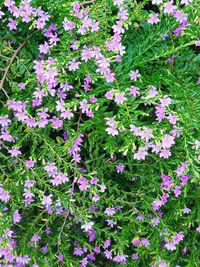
79, 121
4, 92
87, 2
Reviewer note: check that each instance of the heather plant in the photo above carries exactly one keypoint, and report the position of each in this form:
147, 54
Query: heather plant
99, 133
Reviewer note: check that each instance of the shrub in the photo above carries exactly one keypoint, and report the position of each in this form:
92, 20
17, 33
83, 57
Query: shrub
99, 133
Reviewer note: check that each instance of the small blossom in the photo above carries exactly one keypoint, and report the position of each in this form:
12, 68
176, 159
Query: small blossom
134, 75
153, 19
87, 226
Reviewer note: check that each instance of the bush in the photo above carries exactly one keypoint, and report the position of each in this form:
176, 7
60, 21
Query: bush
99, 132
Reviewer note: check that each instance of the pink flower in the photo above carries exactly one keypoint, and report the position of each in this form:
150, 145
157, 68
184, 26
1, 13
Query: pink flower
179, 16
14, 152
73, 65
109, 94
112, 131
167, 141
95, 198
44, 48
141, 154
170, 246
120, 98
169, 8
165, 153
68, 25
134, 91
47, 200
21, 85
153, 19
30, 163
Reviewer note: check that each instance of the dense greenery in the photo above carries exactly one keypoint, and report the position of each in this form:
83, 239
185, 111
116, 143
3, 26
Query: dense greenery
99, 141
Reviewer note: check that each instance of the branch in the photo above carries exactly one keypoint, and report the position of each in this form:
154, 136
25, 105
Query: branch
9, 66
21, 45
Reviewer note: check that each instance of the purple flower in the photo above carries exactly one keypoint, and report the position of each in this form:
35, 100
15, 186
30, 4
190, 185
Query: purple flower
136, 242
97, 250
35, 238
135, 256
44, 249
47, 200
108, 254
112, 131
122, 259
30, 163
177, 191
17, 217
134, 75
145, 242
83, 184
60, 257
107, 244
59, 178
94, 180
155, 221
152, 92
178, 238
29, 183
120, 168
166, 182
12, 25
92, 235
186, 210
87, 226
110, 211
78, 251
111, 223
4, 195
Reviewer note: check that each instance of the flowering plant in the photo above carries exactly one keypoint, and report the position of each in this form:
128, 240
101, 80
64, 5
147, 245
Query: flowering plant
99, 142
